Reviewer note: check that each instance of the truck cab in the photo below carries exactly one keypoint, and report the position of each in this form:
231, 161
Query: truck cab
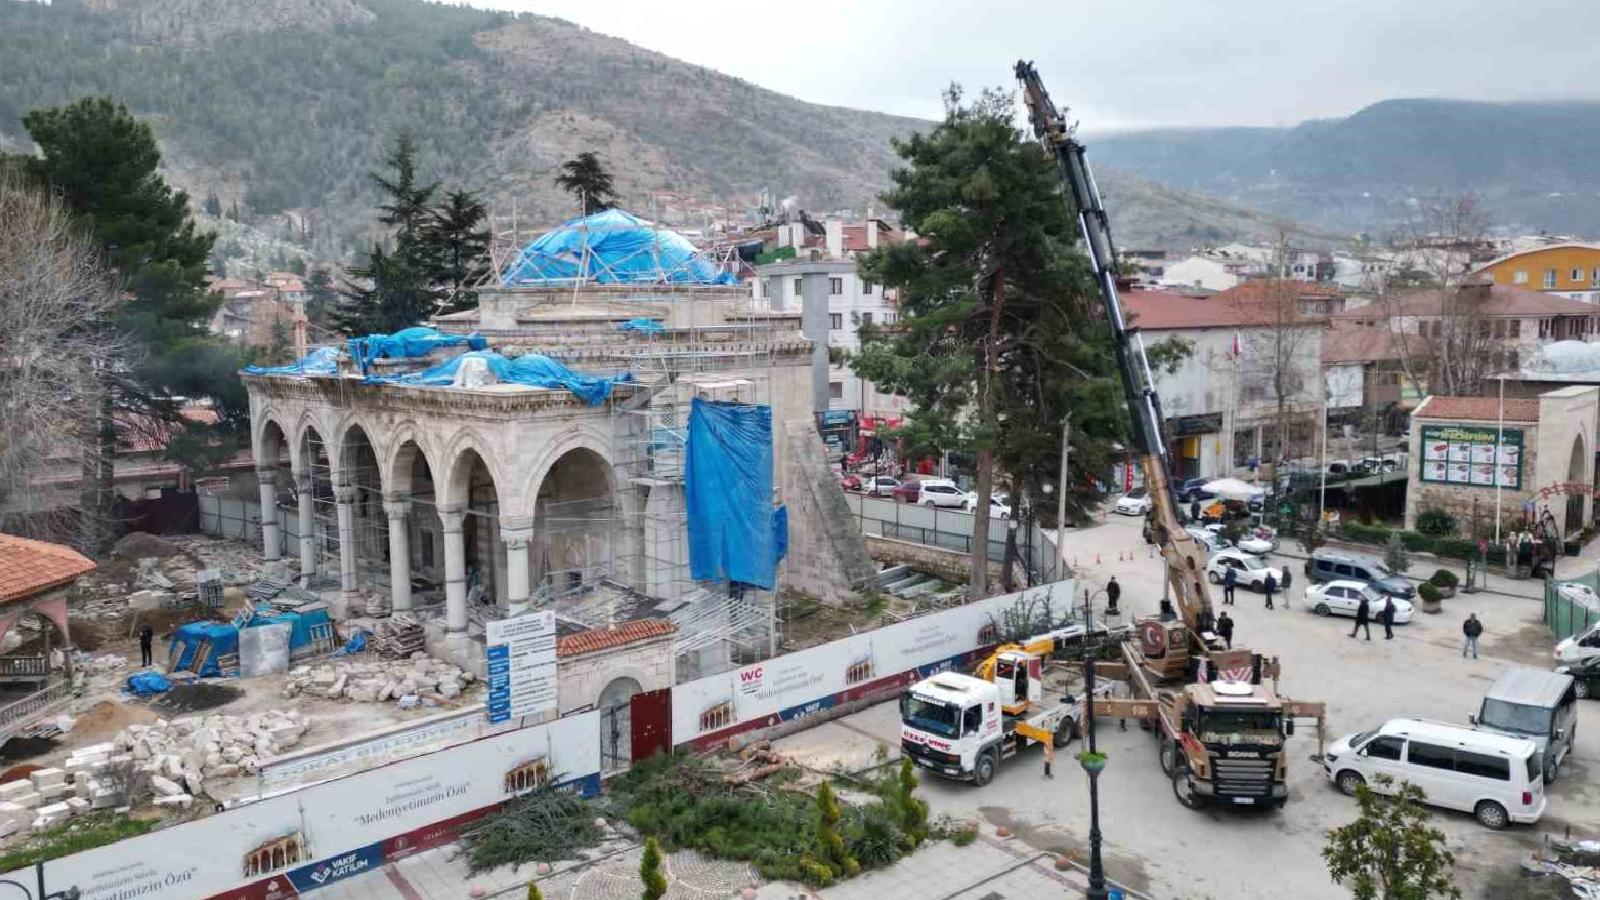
1233, 745
962, 726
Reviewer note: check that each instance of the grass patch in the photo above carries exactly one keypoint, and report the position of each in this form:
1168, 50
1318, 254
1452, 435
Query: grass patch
83, 833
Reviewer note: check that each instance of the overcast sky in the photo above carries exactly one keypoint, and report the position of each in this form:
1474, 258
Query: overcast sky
1121, 63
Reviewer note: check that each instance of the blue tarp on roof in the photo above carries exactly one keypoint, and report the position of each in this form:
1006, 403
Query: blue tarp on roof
408, 343
733, 528
612, 247
533, 369
321, 361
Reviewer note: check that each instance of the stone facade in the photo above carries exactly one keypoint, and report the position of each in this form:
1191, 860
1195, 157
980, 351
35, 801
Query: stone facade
584, 677
830, 563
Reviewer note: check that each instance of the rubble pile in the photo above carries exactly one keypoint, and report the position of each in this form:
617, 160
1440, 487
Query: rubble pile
404, 681
398, 637
1574, 865
170, 571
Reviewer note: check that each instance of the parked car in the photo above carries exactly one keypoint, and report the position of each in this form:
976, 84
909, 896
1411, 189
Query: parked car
1134, 503
1343, 598
999, 504
1334, 565
1191, 489
882, 486
1581, 647
1341, 467
1209, 540
1540, 706
1256, 541
1252, 571
850, 482
940, 492
1495, 777
1585, 676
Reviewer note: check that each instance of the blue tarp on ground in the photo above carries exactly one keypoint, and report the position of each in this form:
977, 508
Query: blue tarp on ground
612, 247
408, 343
733, 532
533, 368
147, 683
321, 361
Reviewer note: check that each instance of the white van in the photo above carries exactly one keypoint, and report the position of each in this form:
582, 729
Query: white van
1579, 647
1496, 777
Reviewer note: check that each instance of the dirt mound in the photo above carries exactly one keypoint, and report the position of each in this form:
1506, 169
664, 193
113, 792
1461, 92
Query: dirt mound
141, 545
106, 718
197, 696
18, 773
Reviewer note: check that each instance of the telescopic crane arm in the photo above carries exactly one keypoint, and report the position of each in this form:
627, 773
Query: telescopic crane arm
1184, 557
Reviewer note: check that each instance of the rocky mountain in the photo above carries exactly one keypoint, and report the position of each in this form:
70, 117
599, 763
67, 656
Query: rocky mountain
286, 105
1531, 164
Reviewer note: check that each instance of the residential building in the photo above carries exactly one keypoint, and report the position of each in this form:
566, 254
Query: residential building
1220, 406
1310, 299
1209, 272
291, 288
1570, 270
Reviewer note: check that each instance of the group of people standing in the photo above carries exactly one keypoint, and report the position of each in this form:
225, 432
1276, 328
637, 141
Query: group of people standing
1230, 583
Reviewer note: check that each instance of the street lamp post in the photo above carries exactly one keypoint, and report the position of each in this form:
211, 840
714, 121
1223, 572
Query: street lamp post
1092, 764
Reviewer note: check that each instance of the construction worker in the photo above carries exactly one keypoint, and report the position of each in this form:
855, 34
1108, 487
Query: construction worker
1225, 628
1387, 617
1363, 618
146, 636
1049, 758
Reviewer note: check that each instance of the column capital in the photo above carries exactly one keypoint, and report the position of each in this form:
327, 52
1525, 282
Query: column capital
344, 494
397, 510
516, 539
452, 517
265, 471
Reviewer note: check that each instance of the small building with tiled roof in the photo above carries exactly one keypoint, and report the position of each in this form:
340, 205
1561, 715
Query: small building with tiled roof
36, 674
603, 668
1522, 456
30, 568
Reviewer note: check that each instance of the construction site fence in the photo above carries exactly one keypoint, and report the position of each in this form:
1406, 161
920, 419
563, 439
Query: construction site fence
241, 520
951, 529
1565, 616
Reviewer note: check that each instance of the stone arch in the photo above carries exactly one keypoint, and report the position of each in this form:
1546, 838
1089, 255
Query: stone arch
269, 441
616, 717
576, 537
314, 469
472, 489
399, 455
458, 459
579, 437
360, 478
1577, 465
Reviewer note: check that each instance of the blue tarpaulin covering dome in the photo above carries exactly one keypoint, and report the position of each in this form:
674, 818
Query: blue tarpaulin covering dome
612, 247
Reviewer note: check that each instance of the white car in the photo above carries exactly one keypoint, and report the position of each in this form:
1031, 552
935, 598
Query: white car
1252, 571
1252, 542
939, 492
1212, 541
1341, 598
881, 486
999, 505
1134, 503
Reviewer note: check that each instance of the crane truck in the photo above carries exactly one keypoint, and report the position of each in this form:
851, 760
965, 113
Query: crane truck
1222, 731
962, 726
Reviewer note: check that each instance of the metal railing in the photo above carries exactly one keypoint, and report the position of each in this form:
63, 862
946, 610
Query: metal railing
29, 668
20, 712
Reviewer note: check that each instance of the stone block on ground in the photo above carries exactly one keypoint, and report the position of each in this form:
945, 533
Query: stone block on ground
165, 787
42, 778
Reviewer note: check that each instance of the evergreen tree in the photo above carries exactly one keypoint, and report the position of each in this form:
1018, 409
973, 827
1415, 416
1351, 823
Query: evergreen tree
586, 178
999, 334
1391, 851
395, 288
460, 243
655, 883
105, 164
321, 297
407, 207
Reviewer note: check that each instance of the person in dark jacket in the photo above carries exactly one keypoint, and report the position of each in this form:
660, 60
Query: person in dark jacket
1113, 594
1387, 618
146, 636
1194, 511
1225, 628
1270, 585
1363, 618
1471, 628
1230, 580
1288, 579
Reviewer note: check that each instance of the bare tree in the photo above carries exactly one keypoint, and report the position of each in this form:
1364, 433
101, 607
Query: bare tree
56, 297
1276, 336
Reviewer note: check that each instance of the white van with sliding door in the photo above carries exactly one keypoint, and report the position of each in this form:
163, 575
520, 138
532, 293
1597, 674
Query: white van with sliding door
1496, 777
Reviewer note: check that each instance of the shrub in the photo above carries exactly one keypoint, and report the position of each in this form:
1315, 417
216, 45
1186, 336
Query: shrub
546, 824
533, 892
655, 884
1436, 523
1455, 548
1445, 578
1364, 534
1428, 592
1395, 555
963, 836
1418, 543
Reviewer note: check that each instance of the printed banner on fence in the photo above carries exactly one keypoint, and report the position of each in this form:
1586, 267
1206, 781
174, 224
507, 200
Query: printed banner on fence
307, 839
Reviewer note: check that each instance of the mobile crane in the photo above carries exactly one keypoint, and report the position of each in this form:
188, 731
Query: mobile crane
1222, 732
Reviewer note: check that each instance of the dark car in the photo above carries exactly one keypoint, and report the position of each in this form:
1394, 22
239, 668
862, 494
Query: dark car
1585, 676
1191, 489
1333, 565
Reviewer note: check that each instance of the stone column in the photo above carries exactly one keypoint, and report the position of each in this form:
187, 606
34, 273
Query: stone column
271, 540
344, 498
308, 538
451, 519
399, 513
516, 536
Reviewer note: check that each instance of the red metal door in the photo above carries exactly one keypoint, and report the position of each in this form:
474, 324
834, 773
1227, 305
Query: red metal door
650, 715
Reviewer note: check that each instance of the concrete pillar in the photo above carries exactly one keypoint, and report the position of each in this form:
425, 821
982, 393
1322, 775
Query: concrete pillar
344, 498
814, 324
399, 513
308, 539
271, 539
516, 536
451, 521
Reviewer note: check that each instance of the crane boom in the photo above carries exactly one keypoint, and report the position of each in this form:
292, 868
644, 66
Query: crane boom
1184, 557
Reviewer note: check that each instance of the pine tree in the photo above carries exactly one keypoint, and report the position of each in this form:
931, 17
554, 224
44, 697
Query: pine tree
395, 288
586, 179
830, 843
460, 243
407, 209
913, 810
655, 883
105, 164
321, 296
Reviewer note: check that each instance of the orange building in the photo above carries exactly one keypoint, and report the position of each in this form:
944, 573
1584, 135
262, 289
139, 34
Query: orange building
1566, 270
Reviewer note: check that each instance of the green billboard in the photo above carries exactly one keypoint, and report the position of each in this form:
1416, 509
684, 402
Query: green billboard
1466, 455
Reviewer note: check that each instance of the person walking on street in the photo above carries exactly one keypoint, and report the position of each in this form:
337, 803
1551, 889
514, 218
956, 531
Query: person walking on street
145, 637
1230, 580
1194, 511
1113, 594
1363, 618
1270, 585
1288, 579
1225, 629
1387, 617
1471, 628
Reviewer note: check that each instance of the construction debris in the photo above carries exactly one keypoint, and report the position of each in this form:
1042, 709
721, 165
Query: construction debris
1577, 863
398, 637
405, 681
757, 762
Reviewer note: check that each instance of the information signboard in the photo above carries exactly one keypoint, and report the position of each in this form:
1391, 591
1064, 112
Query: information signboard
1466, 455
521, 655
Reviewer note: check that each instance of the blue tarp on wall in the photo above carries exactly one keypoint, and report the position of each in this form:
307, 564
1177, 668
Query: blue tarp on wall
733, 532
612, 247
533, 368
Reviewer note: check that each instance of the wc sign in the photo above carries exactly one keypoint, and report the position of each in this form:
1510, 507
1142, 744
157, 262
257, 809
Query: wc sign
750, 680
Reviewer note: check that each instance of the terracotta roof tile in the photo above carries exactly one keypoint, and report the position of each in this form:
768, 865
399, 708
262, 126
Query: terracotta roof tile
1353, 344
32, 567
1478, 409
615, 636
1275, 288
1168, 310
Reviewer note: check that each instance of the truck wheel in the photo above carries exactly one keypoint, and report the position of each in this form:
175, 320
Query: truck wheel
983, 773
1065, 732
1183, 788
1552, 770
1169, 756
